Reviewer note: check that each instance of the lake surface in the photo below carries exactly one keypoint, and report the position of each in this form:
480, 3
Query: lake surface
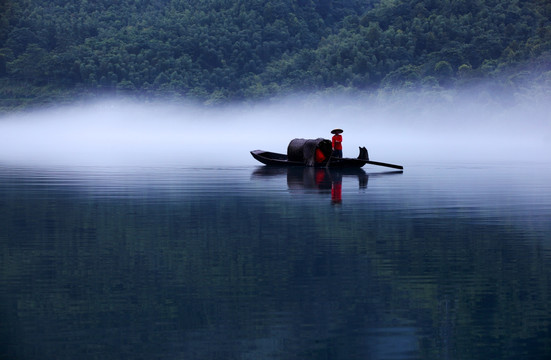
438, 262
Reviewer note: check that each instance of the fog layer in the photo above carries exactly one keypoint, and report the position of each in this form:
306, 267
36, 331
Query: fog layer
396, 129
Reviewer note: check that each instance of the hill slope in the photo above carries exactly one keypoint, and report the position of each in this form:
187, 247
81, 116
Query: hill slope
220, 50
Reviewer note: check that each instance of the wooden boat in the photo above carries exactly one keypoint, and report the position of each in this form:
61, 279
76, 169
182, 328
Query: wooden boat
277, 159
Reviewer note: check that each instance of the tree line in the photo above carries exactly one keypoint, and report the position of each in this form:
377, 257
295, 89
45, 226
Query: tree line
219, 50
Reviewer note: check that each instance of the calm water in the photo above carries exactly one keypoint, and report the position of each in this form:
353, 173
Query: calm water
439, 262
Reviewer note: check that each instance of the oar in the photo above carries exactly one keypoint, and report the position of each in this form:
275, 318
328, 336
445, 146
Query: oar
329, 160
384, 164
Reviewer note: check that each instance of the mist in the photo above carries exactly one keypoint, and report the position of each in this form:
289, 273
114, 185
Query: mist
398, 128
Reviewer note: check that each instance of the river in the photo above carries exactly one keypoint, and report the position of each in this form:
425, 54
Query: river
442, 261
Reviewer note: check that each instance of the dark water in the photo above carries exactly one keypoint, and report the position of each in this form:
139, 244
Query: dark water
439, 262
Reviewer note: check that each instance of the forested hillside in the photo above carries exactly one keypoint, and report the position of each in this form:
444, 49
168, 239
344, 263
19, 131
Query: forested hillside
225, 50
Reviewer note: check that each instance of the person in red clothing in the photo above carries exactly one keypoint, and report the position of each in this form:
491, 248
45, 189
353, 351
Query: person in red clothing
337, 142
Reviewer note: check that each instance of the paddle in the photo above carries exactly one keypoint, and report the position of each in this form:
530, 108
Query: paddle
329, 159
384, 164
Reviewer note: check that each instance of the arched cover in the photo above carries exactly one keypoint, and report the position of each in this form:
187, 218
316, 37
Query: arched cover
304, 150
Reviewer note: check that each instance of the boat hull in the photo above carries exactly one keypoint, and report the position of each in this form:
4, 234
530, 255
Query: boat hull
277, 159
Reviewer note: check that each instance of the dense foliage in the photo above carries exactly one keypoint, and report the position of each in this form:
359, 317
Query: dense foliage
219, 50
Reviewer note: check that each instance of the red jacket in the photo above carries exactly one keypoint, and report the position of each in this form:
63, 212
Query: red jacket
337, 142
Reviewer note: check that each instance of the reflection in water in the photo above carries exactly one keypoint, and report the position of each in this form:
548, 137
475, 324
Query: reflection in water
324, 180
221, 264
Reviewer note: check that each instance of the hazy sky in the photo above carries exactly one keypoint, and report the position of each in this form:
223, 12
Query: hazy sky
396, 129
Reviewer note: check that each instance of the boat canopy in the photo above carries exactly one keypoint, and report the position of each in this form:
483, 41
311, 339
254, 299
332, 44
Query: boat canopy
304, 150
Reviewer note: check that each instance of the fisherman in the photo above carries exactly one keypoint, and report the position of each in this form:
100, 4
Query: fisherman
336, 142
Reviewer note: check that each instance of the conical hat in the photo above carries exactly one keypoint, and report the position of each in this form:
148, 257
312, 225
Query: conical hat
336, 131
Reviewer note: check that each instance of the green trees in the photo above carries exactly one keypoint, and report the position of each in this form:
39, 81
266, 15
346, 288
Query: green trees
253, 49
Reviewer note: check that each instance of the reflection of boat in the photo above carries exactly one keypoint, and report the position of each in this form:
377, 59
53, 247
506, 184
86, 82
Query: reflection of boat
296, 172
322, 180
303, 177
301, 152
